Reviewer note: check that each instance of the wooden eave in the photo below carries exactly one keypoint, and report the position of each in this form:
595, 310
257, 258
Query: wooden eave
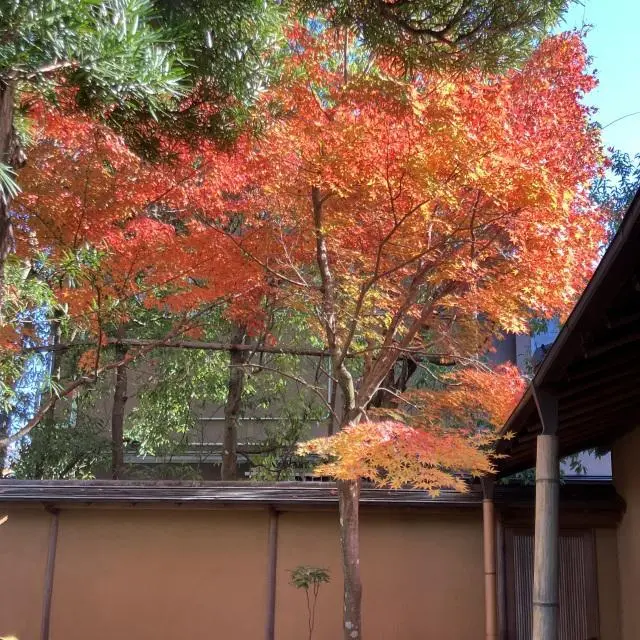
218, 494
589, 499
593, 367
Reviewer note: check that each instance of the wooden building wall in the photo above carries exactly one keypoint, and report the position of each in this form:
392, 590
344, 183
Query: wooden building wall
626, 476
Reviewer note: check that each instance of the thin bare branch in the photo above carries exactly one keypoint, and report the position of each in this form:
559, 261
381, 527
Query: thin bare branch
316, 390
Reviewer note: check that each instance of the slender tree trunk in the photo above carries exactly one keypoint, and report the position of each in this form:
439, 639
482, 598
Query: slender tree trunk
4, 432
349, 498
56, 357
349, 507
233, 406
349, 490
117, 416
11, 155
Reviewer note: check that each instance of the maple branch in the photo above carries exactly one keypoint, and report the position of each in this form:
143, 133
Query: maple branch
317, 391
396, 395
257, 260
283, 244
66, 391
390, 350
366, 286
345, 379
326, 276
84, 380
50, 68
318, 103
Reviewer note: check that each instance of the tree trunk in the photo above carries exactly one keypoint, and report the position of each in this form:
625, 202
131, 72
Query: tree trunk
4, 432
11, 155
56, 357
393, 385
349, 507
348, 490
233, 406
117, 416
349, 497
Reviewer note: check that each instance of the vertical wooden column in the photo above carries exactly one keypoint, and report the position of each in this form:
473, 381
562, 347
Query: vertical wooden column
272, 546
49, 574
489, 552
546, 546
501, 592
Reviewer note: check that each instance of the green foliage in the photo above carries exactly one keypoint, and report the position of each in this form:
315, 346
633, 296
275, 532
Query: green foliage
616, 189
428, 33
183, 385
112, 50
230, 43
181, 382
24, 294
280, 460
304, 577
164, 471
230, 51
63, 450
8, 185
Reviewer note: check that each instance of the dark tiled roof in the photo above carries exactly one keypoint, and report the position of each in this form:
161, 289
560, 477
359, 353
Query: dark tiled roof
312, 494
294, 495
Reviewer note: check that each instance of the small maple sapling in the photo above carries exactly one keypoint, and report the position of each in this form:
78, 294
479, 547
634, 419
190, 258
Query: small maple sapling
310, 579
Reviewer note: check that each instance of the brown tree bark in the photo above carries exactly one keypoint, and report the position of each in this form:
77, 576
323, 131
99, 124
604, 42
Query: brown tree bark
4, 432
11, 155
393, 385
349, 499
117, 416
349, 490
56, 334
233, 405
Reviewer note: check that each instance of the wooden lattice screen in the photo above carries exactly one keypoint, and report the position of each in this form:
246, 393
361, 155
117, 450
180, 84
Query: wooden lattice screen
578, 585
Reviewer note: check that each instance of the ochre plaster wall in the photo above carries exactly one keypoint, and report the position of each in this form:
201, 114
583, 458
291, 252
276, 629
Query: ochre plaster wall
24, 541
422, 575
626, 477
156, 574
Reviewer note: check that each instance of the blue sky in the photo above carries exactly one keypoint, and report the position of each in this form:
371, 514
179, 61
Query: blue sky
615, 47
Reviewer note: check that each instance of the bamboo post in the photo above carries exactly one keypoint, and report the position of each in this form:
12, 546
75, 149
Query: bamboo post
272, 565
546, 546
489, 553
545, 563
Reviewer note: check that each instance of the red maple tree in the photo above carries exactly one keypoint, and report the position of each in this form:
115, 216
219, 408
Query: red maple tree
404, 217
419, 216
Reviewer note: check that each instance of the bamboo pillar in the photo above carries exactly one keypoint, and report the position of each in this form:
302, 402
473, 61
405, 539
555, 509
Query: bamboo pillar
546, 546
545, 563
489, 552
